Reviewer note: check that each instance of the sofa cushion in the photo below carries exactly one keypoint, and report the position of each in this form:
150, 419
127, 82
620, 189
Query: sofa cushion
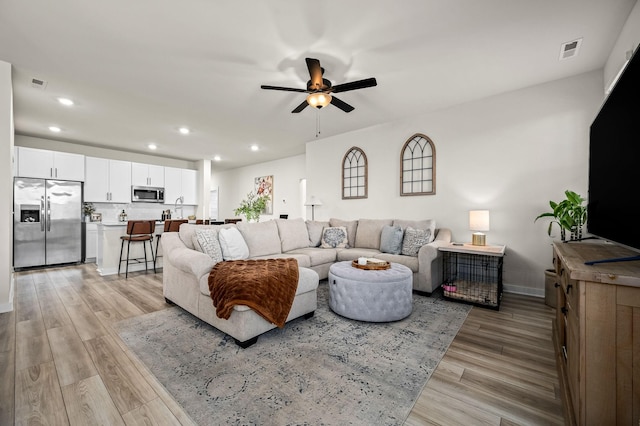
303, 260
429, 224
351, 226
233, 245
314, 228
293, 234
408, 261
368, 232
391, 239
261, 237
414, 239
334, 237
317, 256
207, 242
355, 253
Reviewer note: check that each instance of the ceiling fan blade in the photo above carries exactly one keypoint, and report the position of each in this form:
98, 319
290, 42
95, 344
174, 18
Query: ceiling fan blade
286, 89
354, 85
341, 104
315, 72
300, 107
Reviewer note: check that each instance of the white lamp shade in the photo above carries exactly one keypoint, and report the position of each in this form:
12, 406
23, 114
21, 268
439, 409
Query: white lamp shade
479, 220
313, 201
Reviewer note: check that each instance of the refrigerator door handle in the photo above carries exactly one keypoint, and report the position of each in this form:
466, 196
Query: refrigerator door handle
42, 213
48, 213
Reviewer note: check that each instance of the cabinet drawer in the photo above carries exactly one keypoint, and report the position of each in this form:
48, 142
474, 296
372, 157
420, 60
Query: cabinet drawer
570, 288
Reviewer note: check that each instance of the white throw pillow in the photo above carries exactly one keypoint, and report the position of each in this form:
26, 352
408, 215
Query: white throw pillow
232, 244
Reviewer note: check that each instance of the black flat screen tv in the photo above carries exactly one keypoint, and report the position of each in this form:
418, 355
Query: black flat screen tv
613, 209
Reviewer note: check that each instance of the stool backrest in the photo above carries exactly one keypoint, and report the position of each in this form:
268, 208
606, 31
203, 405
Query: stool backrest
173, 225
141, 227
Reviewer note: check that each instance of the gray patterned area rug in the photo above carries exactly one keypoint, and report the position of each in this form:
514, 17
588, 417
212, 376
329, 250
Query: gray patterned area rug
324, 370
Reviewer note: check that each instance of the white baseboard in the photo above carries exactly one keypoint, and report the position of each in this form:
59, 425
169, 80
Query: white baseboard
527, 291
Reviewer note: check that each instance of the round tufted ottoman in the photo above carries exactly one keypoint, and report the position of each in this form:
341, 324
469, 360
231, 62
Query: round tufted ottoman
370, 295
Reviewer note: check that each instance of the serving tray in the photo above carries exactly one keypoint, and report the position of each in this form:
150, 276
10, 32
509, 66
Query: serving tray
375, 266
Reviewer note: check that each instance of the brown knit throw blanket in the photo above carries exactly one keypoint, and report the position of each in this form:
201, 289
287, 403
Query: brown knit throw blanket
268, 286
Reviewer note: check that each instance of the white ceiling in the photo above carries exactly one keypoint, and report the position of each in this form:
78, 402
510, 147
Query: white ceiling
138, 70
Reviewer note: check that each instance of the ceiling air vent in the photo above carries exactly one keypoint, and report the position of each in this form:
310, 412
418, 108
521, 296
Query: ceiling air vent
38, 84
570, 49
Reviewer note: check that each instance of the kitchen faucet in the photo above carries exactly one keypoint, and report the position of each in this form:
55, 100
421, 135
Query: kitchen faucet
180, 200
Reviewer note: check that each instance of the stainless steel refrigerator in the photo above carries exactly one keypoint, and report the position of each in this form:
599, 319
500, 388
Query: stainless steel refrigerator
47, 222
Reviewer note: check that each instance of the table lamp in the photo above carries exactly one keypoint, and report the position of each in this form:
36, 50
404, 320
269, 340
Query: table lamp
479, 222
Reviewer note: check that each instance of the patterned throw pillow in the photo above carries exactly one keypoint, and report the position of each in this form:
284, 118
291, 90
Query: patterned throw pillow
208, 241
414, 239
335, 237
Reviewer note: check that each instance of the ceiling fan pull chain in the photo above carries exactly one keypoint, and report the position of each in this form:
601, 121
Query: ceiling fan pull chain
317, 123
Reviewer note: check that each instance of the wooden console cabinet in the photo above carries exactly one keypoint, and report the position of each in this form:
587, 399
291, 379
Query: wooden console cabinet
597, 334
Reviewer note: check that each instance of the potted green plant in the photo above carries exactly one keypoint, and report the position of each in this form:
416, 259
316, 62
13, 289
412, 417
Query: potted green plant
252, 206
88, 209
569, 214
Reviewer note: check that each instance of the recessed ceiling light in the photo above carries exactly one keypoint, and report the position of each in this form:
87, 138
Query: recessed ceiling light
184, 130
65, 101
254, 147
55, 129
152, 146
216, 158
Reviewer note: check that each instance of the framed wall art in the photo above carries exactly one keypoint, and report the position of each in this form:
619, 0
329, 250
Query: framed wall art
264, 186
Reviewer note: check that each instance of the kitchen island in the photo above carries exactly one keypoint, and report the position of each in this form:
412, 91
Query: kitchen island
109, 243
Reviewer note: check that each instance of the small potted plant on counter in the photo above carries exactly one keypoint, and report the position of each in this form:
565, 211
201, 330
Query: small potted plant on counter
252, 206
88, 209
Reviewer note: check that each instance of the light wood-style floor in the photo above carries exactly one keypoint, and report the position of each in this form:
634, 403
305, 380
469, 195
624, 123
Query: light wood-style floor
61, 362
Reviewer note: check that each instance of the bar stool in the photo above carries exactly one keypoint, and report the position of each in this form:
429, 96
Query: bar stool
172, 225
138, 231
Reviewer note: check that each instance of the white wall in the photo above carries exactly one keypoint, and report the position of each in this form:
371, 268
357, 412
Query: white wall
510, 154
6, 188
233, 186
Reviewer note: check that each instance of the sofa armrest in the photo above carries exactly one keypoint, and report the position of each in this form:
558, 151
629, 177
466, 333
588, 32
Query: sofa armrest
429, 263
183, 258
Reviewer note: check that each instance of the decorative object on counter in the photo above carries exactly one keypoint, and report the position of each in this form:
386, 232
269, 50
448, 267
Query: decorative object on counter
123, 216
96, 217
166, 215
252, 206
88, 209
479, 223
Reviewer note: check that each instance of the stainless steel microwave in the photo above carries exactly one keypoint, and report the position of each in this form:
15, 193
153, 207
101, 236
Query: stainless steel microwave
147, 194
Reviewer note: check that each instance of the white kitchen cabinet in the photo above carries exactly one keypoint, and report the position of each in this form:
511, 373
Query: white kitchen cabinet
147, 175
180, 183
107, 181
45, 164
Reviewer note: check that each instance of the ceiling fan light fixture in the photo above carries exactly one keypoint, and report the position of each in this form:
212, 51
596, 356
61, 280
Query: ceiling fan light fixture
319, 100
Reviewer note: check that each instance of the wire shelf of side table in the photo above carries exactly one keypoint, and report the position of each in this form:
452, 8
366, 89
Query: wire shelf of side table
473, 274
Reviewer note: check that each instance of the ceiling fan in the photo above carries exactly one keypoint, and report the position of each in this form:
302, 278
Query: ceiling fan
320, 89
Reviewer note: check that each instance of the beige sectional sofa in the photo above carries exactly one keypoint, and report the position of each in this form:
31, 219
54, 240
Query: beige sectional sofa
186, 270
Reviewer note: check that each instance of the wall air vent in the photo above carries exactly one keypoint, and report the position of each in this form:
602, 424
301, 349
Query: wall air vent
570, 49
38, 83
